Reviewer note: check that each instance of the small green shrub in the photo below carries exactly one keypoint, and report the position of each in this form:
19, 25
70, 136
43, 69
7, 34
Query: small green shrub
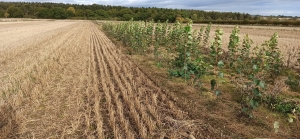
278, 104
293, 83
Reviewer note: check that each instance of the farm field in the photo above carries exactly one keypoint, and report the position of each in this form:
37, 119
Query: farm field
67, 79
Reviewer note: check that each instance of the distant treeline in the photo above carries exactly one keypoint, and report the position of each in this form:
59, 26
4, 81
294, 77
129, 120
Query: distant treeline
108, 12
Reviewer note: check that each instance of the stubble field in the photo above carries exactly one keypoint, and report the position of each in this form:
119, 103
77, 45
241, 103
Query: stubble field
66, 79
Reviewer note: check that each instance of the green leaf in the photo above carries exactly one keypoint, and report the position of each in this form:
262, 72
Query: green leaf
188, 54
236, 40
159, 64
252, 103
220, 63
256, 92
192, 72
255, 68
221, 74
239, 71
218, 93
231, 64
256, 82
245, 110
262, 84
181, 73
251, 76
185, 67
239, 60
251, 115
213, 83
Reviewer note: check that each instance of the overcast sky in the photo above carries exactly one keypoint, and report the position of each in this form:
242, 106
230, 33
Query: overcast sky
262, 7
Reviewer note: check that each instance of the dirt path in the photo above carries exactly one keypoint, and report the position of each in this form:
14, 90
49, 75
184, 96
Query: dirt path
73, 82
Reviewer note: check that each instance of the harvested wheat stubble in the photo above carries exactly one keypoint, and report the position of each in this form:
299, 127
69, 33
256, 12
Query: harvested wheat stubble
41, 84
68, 80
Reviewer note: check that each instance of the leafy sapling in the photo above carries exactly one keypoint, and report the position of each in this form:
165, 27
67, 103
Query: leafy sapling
273, 59
233, 45
215, 52
206, 37
216, 47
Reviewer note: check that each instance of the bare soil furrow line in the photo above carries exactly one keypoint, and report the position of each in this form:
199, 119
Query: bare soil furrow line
116, 84
162, 98
109, 91
92, 117
95, 73
134, 112
129, 66
112, 105
138, 101
158, 103
126, 95
143, 81
142, 90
